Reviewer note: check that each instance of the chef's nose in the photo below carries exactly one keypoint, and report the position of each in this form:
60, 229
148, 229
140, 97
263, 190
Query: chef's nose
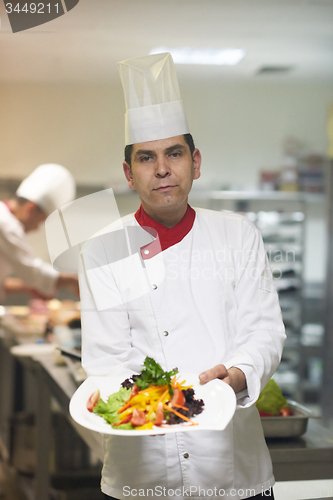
162, 167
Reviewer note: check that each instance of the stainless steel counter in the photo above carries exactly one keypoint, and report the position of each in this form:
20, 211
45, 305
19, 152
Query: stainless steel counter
61, 385
307, 457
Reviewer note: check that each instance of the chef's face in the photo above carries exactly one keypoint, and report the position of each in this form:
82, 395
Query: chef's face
32, 216
162, 172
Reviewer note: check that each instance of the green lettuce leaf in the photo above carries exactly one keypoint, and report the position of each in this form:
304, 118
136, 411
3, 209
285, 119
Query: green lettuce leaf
108, 410
271, 399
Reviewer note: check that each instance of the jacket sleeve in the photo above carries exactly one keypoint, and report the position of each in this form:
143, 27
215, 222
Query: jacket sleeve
24, 263
260, 331
106, 334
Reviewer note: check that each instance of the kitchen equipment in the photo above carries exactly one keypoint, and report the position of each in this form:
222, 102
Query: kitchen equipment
288, 427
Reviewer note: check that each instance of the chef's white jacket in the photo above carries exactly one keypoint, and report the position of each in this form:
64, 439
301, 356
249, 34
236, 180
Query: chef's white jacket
17, 257
207, 300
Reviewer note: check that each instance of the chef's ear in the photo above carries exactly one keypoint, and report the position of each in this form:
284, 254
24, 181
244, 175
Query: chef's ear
196, 163
128, 174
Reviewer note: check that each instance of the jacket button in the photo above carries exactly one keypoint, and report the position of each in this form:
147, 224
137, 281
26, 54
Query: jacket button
186, 455
165, 334
146, 252
154, 287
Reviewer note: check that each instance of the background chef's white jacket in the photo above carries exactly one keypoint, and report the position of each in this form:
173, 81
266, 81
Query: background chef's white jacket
214, 295
17, 257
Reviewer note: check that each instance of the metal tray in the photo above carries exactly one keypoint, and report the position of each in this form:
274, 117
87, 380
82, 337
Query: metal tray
288, 427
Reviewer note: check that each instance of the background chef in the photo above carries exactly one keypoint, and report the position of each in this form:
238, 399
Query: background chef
47, 188
180, 303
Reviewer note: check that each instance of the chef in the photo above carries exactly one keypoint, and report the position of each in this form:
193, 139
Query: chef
197, 295
21, 271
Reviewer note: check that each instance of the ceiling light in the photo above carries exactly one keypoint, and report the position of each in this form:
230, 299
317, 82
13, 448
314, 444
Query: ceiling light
227, 56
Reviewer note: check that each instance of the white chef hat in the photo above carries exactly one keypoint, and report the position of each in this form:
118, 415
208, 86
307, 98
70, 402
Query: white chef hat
154, 109
49, 186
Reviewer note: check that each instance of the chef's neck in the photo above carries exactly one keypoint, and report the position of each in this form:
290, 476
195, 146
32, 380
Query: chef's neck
169, 217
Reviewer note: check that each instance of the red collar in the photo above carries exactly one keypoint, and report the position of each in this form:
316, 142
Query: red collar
6, 202
166, 237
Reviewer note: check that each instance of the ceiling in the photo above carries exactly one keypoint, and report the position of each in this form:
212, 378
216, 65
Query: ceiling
84, 45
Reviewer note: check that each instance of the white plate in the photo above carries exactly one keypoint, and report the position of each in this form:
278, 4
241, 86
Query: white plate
219, 399
28, 350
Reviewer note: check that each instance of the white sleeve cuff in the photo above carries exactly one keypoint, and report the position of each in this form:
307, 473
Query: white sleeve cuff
248, 396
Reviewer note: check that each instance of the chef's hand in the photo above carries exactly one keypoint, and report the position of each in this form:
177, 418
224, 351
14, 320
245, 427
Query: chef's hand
15, 286
70, 281
234, 377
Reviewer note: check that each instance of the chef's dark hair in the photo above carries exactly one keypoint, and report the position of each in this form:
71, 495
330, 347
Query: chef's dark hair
22, 201
129, 149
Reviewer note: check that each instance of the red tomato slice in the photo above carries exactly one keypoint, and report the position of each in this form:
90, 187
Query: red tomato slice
285, 412
134, 392
159, 414
93, 400
178, 398
138, 417
266, 414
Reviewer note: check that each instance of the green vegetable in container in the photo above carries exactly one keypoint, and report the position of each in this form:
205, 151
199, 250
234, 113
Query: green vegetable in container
271, 400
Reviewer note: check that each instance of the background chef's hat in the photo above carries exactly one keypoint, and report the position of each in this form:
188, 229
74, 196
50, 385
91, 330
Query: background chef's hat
49, 186
154, 109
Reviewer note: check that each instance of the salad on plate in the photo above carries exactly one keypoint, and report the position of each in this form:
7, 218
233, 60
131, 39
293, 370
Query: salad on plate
152, 398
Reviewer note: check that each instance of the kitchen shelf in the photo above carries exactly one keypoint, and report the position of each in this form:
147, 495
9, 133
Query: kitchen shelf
281, 217
258, 195
285, 231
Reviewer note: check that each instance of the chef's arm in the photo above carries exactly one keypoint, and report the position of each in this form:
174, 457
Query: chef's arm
16, 286
69, 281
256, 348
25, 264
234, 377
33, 275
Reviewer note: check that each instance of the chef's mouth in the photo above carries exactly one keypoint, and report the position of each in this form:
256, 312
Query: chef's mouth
161, 188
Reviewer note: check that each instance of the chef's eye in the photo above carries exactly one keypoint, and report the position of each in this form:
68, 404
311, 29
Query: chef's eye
145, 158
175, 154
